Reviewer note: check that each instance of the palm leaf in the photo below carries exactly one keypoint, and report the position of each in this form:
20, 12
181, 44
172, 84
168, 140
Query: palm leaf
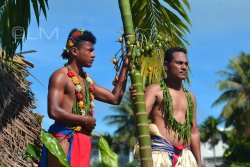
225, 97
236, 94
154, 15
14, 21
238, 68
151, 18
229, 85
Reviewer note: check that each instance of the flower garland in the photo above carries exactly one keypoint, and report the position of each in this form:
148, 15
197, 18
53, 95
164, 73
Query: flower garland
183, 130
73, 39
82, 106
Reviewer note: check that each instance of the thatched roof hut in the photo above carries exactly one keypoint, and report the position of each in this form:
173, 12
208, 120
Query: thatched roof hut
18, 125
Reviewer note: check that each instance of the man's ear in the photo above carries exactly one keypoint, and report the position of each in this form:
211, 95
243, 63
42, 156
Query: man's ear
74, 51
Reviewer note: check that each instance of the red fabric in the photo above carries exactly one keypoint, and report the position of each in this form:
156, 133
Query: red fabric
81, 150
179, 148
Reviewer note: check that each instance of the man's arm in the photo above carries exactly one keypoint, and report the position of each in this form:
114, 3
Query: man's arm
116, 95
195, 138
57, 84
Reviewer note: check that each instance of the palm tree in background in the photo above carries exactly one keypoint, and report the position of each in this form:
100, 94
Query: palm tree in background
210, 133
15, 16
125, 135
236, 95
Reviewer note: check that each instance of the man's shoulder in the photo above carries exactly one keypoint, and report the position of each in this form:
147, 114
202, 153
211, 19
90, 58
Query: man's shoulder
59, 74
192, 95
153, 87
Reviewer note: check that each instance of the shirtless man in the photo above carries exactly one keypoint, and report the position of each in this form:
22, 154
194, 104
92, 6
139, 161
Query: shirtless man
172, 110
70, 100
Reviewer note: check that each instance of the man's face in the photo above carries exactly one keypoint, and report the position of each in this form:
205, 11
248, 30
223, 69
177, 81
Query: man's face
178, 67
86, 54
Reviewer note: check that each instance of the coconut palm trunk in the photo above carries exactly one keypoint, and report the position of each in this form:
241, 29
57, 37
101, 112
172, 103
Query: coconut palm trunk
136, 82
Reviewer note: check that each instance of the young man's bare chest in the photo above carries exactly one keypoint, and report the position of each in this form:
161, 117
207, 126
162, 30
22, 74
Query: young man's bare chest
70, 89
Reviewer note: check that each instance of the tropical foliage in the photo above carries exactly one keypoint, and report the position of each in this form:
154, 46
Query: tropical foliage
236, 94
158, 25
165, 17
238, 150
210, 133
125, 135
14, 21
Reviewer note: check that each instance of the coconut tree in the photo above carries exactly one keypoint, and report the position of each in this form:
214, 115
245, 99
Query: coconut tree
149, 28
14, 21
236, 94
210, 133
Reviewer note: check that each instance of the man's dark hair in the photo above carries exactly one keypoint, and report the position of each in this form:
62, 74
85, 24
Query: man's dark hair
78, 40
169, 53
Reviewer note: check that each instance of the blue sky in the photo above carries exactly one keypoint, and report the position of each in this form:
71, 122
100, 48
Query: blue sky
220, 30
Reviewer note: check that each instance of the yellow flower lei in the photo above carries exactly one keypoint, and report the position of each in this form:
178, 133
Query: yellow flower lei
82, 106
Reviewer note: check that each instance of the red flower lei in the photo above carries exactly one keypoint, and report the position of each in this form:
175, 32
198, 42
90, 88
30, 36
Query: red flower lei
82, 106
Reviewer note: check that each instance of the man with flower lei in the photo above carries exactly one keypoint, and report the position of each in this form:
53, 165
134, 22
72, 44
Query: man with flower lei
172, 109
70, 100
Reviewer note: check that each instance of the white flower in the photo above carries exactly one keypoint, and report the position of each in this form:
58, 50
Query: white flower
90, 80
83, 112
78, 88
92, 104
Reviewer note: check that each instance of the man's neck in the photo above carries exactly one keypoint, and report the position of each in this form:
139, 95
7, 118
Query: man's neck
75, 67
174, 84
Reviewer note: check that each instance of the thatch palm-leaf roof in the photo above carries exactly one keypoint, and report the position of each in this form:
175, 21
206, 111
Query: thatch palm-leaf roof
18, 125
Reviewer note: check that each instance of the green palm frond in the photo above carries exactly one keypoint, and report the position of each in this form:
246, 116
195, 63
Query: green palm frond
125, 109
151, 18
242, 100
237, 66
127, 128
14, 21
225, 97
228, 109
229, 85
116, 119
209, 131
166, 17
156, 63
236, 94
225, 74
124, 120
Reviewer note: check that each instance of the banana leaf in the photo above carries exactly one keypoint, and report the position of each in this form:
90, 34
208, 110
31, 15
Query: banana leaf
109, 158
54, 148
